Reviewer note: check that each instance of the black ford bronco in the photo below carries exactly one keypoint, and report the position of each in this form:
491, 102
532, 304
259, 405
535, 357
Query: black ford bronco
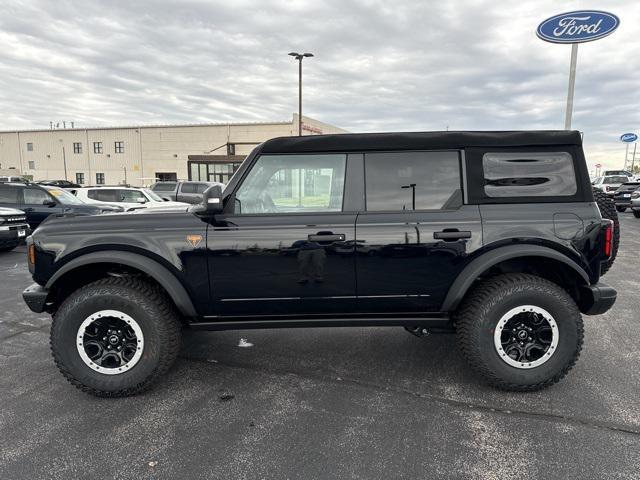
496, 236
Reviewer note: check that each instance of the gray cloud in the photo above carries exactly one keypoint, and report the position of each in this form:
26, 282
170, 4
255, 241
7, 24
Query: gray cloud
379, 65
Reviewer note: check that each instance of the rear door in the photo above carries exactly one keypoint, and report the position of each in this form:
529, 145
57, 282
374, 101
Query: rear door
415, 232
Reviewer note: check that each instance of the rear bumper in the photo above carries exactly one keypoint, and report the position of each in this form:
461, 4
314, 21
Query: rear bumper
35, 296
597, 299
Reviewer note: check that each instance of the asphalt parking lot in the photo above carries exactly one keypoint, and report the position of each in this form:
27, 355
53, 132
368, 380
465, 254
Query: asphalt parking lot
325, 403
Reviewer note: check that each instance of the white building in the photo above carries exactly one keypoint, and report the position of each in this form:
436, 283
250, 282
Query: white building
141, 155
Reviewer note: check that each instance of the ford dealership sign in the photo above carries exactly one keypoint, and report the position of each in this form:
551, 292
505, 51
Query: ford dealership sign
577, 27
628, 137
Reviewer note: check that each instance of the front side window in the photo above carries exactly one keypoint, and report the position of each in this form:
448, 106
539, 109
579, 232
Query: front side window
77, 147
293, 183
35, 196
119, 147
188, 188
397, 181
103, 195
131, 196
97, 147
99, 178
528, 174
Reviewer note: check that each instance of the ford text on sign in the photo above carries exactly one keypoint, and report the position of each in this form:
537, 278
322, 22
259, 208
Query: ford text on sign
576, 27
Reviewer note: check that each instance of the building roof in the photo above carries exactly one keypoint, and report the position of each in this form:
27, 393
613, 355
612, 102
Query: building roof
345, 142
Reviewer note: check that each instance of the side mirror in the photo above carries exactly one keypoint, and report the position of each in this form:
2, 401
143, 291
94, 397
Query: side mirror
49, 203
165, 199
212, 200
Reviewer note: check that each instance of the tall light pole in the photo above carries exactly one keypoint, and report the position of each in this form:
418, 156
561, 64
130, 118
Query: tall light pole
299, 57
64, 159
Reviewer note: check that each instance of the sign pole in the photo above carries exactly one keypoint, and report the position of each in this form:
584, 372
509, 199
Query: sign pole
626, 156
633, 157
572, 83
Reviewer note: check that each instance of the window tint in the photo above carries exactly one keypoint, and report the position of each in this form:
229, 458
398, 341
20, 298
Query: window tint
201, 187
528, 174
8, 194
614, 179
35, 196
188, 188
164, 187
412, 181
293, 183
103, 194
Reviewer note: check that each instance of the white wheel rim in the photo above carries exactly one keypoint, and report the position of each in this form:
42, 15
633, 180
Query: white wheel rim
506, 323
120, 318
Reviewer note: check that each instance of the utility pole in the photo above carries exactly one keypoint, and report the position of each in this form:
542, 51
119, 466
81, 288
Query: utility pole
299, 57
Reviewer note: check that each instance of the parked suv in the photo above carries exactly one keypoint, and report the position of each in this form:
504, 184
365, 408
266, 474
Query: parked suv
609, 184
190, 192
492, 235
38, 202
622, 196
129, 198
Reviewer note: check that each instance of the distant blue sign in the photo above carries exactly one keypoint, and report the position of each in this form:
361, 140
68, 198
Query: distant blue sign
577, 27
628, 137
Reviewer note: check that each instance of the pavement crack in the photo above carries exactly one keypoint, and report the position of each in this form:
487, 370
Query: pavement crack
545, 416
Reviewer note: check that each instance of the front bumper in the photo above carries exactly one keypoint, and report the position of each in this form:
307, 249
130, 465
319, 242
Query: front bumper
14, 233
597, 299
35, 296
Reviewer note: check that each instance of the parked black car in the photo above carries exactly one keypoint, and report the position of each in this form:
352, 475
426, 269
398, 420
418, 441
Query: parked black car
59, 183
492, 235
38, 202
622, 196
13, 228
182, 191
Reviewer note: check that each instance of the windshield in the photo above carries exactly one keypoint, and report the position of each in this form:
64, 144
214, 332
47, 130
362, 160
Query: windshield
63, 196
152, 195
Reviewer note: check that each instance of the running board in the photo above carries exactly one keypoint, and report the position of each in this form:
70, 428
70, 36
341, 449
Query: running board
435, 324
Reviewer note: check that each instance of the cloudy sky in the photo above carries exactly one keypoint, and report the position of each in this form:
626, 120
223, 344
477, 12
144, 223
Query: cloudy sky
378, 66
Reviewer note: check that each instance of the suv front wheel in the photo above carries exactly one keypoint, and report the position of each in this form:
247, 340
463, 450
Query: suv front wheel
519, 331
115, 337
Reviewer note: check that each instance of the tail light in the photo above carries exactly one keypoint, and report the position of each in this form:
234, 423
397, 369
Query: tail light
608, 239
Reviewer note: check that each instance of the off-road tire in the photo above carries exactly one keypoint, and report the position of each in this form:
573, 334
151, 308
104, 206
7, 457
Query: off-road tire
478, 317
140, 300
621, 209
608, 210
636, 213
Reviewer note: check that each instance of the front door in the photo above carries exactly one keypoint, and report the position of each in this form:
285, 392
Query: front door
414, 235
38, 204
287, 247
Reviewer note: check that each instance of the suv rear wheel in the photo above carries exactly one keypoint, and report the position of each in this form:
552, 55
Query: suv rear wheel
519, 331
115, 337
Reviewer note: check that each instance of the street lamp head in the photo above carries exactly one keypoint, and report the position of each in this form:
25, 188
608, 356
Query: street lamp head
294, 54
307, 54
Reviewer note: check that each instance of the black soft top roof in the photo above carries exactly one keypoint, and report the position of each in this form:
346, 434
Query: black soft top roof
345, 142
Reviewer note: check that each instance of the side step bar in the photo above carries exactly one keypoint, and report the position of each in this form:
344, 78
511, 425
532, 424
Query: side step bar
435, 324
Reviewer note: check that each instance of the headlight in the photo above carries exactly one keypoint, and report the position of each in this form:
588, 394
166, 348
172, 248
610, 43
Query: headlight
635, 195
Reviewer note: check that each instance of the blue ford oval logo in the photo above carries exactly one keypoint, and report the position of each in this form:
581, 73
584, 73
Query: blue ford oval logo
576, 27
628, 137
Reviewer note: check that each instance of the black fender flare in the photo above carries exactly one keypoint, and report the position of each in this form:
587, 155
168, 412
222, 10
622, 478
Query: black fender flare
154, 269
474, 269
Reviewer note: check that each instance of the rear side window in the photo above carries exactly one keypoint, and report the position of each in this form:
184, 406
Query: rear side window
164, 187
397, 181
8, 194
106, 195
201, 187
528, 174
188, 188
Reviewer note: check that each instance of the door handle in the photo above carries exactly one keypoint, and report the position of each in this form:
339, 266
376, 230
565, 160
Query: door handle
451, 235
327, 237
27, 210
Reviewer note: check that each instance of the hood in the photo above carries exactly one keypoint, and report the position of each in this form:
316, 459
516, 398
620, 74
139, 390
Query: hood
171, 203
10, 211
